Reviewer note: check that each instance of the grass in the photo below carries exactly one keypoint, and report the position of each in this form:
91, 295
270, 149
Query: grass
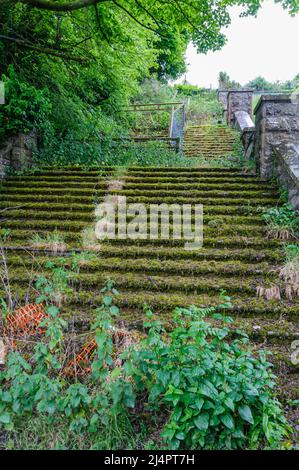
36, 434
52, 241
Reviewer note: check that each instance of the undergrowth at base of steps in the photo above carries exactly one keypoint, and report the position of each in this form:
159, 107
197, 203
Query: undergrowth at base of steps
199, 387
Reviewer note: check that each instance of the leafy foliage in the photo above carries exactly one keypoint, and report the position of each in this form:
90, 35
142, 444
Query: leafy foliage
37, 388
24, 106
218, 394
282, 221
260, 83
211, 388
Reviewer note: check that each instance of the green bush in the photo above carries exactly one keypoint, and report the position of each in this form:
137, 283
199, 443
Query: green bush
24, 105
35, 388
187, 90
282, 221
216, 392
201, 378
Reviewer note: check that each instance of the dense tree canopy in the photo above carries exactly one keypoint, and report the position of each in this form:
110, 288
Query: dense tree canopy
83, 60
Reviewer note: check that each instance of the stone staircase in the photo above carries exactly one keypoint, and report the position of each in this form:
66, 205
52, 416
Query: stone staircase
209, 141
236, 255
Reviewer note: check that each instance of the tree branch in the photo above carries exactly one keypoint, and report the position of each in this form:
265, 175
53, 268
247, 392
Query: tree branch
44, 50
136, 20
142, 7
65, 6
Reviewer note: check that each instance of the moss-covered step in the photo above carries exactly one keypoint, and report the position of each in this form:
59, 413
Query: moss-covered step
95, 262
209, 141
271, 256
164, 302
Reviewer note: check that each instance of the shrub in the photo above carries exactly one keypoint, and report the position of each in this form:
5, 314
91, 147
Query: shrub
282, 222
216, 392
24, 105
187, 90
36, 388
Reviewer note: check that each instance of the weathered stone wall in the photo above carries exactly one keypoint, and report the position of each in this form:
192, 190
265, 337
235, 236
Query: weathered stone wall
4, 164
16, 152
222, 98
277, 123
238, 100
286, 168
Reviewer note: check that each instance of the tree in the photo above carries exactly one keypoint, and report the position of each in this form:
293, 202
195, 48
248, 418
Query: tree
225, 82
260, 83
199, 22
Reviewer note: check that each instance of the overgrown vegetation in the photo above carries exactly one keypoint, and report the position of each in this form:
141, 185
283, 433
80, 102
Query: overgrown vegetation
204, 108
222, 398
69, 71
282, 221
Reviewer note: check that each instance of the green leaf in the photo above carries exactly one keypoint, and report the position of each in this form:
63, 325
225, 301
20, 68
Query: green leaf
114, 310
229, 403
115, 373
245, 413
202, 421
107, 300
5, 418
228, 421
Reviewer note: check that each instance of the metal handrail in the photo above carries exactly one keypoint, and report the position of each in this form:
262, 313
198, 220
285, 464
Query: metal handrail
176, 129
152, 106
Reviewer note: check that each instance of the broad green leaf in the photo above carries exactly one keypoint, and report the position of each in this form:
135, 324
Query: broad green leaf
228, 421
245, 413
202, 421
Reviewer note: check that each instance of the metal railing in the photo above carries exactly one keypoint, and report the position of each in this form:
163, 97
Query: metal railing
177, 124
177, 121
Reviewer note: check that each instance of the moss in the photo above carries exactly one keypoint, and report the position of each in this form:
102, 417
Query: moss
55, 206
56, 184
236, 256
164, 253
194, 268
46, 225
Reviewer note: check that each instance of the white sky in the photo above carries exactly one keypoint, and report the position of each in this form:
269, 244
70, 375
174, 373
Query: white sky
267, 45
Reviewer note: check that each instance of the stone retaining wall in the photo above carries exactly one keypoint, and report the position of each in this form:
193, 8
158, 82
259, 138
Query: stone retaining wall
273, 140
277, 123
286, 169
16, 152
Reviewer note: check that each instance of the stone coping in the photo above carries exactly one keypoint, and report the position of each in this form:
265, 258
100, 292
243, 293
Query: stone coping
244, 121
276, 97
240, 90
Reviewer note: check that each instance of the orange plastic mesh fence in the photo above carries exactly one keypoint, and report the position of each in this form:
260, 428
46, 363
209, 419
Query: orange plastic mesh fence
81, 364
26, 320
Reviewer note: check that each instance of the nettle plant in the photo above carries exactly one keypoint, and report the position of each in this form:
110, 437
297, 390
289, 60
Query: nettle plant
36, 386
216, 392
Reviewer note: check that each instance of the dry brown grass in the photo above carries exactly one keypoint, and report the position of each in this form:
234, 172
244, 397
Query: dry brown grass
289, 273
52, 241
281, 233
269, 293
